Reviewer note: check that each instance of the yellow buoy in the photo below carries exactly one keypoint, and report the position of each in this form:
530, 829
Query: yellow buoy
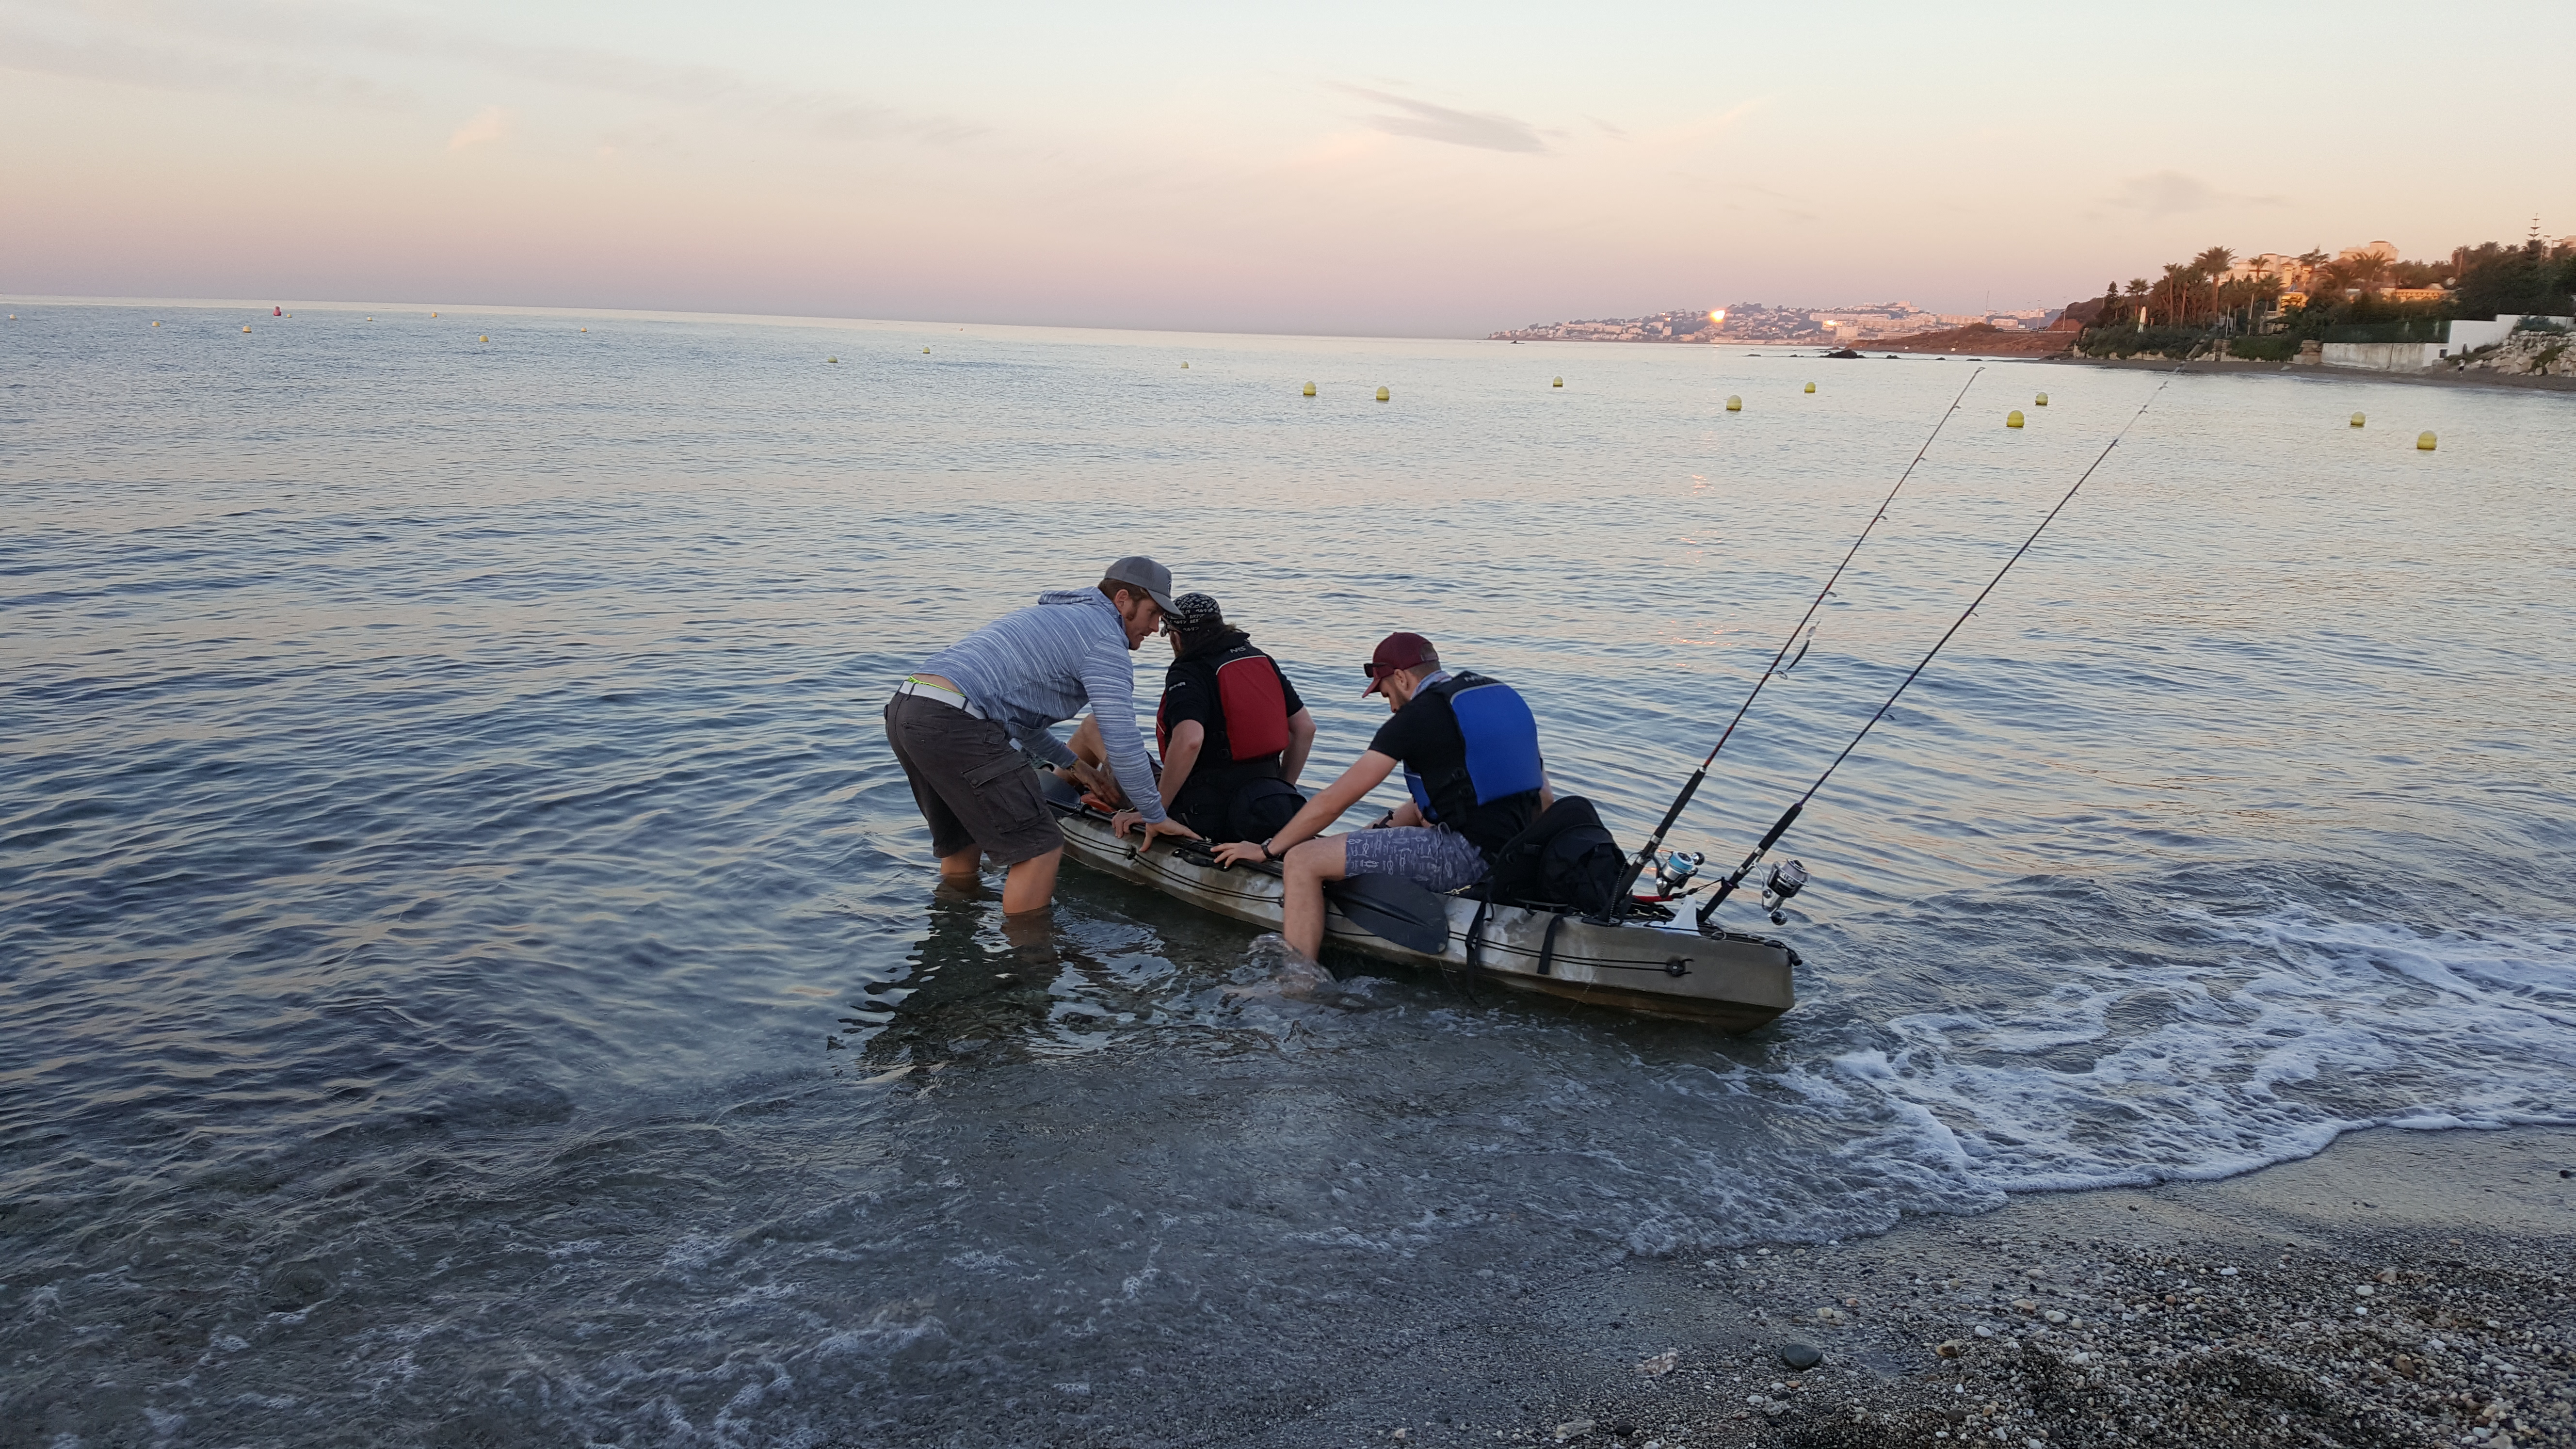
1310, 389
1560, 382
433, 314
2356, 420
831, 359
2424, 442
925, 352
1383, 395
2013, 419
156, 324
1185, 367
2040, 401
1811, 387
1734, 404
14, 317
371, 319
486, 337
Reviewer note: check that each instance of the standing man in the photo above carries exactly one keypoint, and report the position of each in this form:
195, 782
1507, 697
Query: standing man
953, 724
1469, 748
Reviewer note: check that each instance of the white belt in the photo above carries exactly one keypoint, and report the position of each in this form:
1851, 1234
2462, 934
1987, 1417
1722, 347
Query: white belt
937, 695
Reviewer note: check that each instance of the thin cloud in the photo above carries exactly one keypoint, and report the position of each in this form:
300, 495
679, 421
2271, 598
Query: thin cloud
153, 67
1481, 131
293, 27
2171, 193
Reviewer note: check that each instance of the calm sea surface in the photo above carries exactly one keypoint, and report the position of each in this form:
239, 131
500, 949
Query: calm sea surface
462, 932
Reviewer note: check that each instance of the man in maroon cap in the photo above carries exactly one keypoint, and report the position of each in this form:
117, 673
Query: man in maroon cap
1468, 746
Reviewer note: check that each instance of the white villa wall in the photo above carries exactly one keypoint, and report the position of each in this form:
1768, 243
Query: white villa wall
2383, 356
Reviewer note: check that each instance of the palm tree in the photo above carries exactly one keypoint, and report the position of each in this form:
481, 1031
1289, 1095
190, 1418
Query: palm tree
2176, 276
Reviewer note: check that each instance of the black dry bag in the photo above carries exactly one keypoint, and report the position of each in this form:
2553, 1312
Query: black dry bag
1567, 858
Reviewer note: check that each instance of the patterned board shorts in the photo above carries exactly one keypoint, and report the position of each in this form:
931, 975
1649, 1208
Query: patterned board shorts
1433, 855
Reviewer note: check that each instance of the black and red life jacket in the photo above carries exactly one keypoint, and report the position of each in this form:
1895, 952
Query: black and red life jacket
1245, 685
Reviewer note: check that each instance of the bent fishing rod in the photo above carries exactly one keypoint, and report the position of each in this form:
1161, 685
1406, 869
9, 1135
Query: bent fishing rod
1792, 881
1646, 853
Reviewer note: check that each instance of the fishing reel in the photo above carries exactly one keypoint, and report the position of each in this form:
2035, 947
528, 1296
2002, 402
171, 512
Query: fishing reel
1674, 870
1787, 879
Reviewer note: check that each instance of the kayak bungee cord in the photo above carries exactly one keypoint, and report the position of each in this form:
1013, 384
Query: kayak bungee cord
1786, 880
1618, 899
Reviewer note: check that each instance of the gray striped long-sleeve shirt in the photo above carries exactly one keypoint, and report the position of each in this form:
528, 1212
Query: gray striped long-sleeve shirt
1028, 670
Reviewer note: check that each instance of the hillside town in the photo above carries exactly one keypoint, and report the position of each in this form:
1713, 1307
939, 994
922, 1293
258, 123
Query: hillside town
1754, 322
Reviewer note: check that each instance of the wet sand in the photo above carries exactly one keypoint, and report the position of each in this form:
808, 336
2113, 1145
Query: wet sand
2401, 1288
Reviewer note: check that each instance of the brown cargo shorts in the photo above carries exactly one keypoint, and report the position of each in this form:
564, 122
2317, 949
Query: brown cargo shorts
973, 788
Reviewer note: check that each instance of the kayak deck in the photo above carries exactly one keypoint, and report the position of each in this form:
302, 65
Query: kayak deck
1728, 981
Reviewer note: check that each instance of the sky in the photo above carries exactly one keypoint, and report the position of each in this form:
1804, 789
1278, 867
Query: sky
1358, 169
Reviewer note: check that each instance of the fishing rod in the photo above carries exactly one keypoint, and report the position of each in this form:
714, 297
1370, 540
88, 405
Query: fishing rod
1786, 880
1646, 853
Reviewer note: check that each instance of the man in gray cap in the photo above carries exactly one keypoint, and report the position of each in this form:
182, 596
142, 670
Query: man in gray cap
953, 724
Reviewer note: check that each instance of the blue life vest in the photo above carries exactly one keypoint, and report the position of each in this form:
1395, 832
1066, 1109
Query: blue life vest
1502, 750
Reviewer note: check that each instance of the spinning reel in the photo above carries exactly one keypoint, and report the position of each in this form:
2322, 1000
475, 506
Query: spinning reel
1673, 871
1787, 879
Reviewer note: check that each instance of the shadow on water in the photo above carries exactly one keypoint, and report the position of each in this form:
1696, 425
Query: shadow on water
979, 986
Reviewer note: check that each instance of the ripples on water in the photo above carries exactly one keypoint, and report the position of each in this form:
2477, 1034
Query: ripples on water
470, 960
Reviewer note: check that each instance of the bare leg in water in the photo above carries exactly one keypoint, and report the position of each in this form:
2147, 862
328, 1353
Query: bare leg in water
1305, 869
1029, 887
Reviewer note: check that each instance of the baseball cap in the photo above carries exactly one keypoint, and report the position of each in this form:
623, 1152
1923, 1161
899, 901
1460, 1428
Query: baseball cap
1394, 652
1145, 574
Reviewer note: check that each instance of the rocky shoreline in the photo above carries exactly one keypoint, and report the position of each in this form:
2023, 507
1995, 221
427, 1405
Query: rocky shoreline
2402, 1289
2445, 377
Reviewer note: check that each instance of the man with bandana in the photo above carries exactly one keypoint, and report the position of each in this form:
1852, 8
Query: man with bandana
1233, 733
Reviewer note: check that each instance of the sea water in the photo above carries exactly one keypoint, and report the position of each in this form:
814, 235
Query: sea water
470, 965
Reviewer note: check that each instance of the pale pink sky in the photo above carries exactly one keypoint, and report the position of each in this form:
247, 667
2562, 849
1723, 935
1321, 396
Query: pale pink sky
1335, 168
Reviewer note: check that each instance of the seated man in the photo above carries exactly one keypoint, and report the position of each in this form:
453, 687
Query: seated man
1233, 732
1469, 748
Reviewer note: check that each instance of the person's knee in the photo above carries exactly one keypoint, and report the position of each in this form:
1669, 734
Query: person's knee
1311, 860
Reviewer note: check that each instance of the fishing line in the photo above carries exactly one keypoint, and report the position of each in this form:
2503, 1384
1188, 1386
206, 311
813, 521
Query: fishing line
1646, 853
1771, 837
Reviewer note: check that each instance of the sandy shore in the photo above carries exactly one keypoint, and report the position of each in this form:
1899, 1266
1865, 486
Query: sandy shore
2399, 1289
2444, 378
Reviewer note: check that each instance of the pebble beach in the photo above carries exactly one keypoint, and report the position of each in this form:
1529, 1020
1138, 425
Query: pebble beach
2401, 1289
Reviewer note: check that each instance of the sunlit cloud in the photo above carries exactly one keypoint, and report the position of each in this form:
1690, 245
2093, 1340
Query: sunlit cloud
490, 124
1482, 131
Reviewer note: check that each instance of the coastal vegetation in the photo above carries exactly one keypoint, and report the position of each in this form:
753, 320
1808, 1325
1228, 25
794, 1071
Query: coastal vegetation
2265, 309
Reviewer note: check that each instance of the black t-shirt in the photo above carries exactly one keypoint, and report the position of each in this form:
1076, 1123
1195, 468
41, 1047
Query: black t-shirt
1424, 738
1189, 693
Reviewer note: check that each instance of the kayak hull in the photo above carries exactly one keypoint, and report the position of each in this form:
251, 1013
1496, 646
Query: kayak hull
1733, 983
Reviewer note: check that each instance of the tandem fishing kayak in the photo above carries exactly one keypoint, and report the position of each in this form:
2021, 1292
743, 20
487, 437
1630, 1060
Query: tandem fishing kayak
1722, 979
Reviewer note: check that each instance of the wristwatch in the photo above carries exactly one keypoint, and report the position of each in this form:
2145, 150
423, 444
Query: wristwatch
1265, 851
